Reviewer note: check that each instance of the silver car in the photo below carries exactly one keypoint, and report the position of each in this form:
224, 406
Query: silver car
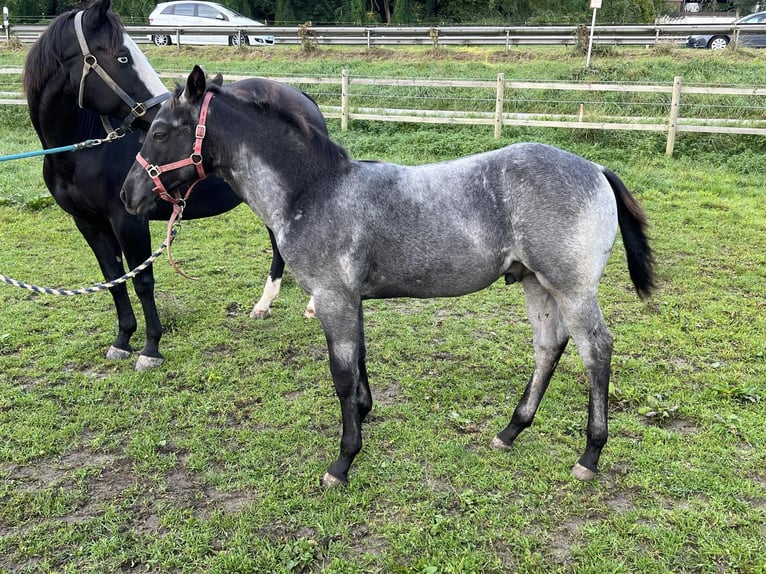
718, 41
196, 13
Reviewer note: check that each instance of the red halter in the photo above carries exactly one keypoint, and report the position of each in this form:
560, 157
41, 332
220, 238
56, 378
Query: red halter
195, 159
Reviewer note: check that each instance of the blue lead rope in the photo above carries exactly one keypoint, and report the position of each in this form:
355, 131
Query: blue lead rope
73, 147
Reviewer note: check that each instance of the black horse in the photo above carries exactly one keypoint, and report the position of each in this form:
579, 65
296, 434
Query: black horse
354, 230
85, 78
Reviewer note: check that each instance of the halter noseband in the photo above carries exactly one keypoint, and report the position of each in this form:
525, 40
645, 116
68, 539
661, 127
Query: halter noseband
137, 109
195, 159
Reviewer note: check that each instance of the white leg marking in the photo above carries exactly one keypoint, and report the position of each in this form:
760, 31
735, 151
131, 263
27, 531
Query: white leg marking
310, 312
270, 292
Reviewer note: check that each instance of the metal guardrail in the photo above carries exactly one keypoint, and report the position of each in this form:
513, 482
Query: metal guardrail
438, 36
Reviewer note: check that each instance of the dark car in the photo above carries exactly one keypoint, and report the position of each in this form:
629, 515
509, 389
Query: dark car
720, 40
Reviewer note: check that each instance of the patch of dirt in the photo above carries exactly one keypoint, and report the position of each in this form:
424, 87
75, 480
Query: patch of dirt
681, 426
112, 477
389, 395
562, 540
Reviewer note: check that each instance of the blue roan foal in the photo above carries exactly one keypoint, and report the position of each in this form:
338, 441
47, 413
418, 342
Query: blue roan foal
353, 230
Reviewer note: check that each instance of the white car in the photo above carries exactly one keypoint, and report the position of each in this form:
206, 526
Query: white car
199, 14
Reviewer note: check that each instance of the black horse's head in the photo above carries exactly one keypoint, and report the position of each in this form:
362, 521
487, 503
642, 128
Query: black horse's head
88, 56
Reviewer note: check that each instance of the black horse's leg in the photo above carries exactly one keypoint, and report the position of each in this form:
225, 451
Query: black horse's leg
106, 248
594, 343
135, 241
549, 335
273, 282
262, 308
341, 323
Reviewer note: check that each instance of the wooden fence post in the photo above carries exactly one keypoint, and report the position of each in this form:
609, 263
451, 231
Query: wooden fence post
499, 100
344, 100
675, 103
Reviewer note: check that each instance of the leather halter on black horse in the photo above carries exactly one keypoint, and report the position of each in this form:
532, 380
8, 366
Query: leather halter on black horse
90, 62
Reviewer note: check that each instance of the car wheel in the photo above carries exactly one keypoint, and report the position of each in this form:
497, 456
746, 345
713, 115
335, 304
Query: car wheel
718, 43
238, 40
161, 40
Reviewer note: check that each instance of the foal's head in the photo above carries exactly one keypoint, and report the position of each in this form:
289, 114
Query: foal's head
261, 123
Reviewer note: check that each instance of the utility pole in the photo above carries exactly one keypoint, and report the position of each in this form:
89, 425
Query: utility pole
594, 5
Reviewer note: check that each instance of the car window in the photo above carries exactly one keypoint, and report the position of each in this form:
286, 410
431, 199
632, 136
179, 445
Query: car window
184, 10
204, 11
758, 19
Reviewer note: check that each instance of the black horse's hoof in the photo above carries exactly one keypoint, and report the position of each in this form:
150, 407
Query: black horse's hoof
116, 354
499, 444
582, 473
146, 362
331, 481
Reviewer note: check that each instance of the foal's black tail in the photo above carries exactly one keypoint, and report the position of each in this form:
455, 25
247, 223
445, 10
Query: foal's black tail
633, 225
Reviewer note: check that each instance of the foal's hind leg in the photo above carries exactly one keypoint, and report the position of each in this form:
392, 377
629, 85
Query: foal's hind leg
594, 343
549, 335
343, 327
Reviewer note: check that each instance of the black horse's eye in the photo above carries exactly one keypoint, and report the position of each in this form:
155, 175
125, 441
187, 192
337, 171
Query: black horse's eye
159, 135
123, 59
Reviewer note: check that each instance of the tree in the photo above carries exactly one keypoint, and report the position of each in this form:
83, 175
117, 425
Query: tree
403, 13
284, 15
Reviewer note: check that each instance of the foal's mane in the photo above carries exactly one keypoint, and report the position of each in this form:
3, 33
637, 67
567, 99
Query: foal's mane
330, 154
47, 55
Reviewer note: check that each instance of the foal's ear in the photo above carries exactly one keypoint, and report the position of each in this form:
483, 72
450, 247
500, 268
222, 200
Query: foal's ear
218, 80
195, 85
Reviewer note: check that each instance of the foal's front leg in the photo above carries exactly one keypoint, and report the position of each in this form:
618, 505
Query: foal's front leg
343, 327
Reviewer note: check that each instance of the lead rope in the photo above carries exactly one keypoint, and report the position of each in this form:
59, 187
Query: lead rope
173, 224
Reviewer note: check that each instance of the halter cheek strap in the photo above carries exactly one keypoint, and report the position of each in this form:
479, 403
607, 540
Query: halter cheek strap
195, 159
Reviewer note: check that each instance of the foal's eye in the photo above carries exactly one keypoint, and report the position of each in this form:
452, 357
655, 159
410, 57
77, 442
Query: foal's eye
159, 135
123, 59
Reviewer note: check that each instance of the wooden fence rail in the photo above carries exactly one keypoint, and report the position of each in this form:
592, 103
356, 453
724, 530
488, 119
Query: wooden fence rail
502, 93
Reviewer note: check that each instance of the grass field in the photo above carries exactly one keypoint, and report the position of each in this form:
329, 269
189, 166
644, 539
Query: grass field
212, 462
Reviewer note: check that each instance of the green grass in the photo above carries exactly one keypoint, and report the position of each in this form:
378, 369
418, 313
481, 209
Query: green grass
211, 463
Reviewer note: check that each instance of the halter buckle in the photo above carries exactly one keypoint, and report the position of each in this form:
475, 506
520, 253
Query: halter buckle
153, 171
138, 110
90, 60
201, 131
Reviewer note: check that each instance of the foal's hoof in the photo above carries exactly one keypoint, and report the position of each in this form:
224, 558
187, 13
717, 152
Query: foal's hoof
582, 473
499, 444
260, 314
116, 354
145, 362
330, 481
310, 313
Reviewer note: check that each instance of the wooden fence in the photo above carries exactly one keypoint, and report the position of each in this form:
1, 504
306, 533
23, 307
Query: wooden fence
346, 102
